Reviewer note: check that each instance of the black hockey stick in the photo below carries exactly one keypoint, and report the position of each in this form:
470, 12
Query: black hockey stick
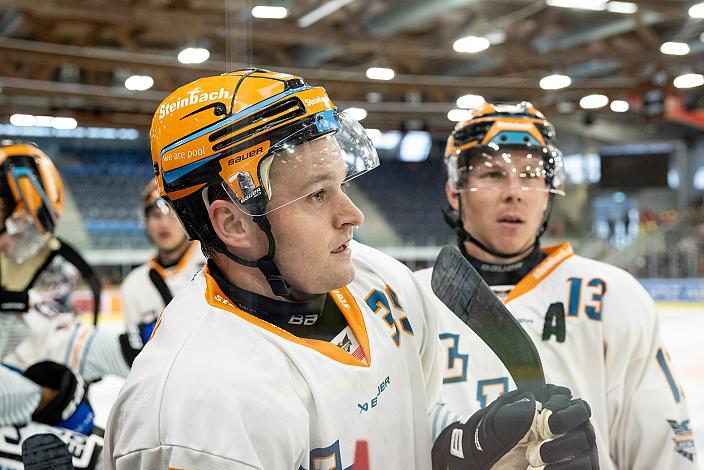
460, 287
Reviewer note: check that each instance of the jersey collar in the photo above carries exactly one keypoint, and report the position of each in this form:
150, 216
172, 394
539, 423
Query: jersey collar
343, 299
556, 255
165, 273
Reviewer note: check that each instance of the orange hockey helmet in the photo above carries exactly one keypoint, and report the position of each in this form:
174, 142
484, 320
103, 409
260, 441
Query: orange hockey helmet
220, 135
499, 145
493, 135
33, 196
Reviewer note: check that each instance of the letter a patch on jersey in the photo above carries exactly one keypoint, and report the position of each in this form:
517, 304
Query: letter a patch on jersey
555, 322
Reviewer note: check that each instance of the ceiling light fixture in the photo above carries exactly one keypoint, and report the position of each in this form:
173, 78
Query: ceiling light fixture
380, 73
597, 5
470, 101
674, 48
139, 82
688, 80
471, 44
269, 12
555, 82
622, 7
193, 55
594, 101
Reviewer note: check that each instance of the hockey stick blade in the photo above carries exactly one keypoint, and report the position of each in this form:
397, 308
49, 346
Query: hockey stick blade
460, 287
46, 452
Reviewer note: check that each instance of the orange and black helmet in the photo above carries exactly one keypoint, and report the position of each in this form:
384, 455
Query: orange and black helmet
219, 135
30, 185
221, 131
503, 145
502, 124
494, 132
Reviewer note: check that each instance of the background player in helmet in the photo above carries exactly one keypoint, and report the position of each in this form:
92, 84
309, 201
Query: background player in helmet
150, 287
32, 387
594, 325
31, 196
294, 342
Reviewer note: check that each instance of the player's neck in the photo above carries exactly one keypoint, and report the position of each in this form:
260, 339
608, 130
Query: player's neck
252, 279
508, 271
168, 258
483, 256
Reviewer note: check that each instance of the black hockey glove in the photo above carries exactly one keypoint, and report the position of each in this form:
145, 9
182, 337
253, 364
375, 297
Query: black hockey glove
566, 439
516, 431
69, 408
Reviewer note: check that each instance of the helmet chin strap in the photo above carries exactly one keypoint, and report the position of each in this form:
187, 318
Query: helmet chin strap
279, 286
454, 219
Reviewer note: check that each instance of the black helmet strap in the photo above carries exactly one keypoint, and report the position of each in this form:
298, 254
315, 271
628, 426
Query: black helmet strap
279, 285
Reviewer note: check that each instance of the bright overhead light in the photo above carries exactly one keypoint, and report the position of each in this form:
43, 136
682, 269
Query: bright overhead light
139, 82
594, 101
597, 5
380, 73
321, 12
674, 48
22, 120
415, 146
471, 44
28, 120
264, 11
689, 80
64, 123
457, 115
356, 113
43, 121
622, 7
470, 101
555, 82
697, 11
110, 133
497, 36
619, 106
193, 55
388, 140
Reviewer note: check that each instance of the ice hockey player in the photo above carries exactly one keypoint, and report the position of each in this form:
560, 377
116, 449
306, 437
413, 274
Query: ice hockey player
295, 342
148, 288
594, 325
44, 352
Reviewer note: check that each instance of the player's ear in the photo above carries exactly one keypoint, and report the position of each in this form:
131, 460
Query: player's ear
232, 226
452, 197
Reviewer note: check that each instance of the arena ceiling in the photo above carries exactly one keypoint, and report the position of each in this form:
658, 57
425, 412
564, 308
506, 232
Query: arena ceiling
71, 57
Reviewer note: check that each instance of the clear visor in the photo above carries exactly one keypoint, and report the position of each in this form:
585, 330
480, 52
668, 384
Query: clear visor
333, 150
159, 208
498, 168
25, 238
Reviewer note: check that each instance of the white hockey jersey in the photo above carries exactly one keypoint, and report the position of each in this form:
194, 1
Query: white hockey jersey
216, 387
597, 333
141, 301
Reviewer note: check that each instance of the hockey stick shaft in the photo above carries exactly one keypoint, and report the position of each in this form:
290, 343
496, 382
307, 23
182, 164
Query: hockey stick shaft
460, 287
